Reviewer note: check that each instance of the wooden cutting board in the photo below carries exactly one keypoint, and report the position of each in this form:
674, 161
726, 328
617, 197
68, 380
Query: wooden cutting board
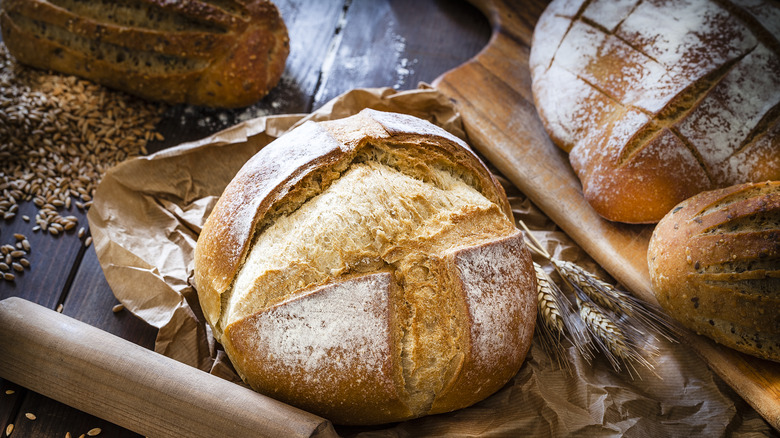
493, 93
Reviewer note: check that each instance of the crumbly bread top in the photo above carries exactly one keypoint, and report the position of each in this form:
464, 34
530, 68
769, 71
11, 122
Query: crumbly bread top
372, 218
389, 237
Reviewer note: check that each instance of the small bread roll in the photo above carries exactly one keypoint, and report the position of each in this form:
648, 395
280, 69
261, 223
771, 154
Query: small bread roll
715, 266
368, 270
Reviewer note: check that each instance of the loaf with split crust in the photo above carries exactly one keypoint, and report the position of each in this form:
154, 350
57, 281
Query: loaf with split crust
368, 270
221, 54
658, 100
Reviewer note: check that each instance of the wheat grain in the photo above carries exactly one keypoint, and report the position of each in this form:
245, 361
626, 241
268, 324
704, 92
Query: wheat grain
57, 137
604, 328
616, 300
547, 302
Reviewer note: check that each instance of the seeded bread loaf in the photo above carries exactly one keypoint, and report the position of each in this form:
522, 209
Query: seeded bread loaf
368, 270
715, 266
223, 54
656, 101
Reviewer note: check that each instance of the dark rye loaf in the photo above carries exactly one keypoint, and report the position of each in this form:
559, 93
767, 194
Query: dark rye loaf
226, 53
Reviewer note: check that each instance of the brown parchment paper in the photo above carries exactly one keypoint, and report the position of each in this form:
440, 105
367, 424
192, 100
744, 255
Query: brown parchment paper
145, 221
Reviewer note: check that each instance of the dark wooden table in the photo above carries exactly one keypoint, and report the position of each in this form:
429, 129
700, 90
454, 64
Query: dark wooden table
336, 46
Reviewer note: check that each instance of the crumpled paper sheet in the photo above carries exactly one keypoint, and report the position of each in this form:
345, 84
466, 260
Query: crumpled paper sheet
145, 221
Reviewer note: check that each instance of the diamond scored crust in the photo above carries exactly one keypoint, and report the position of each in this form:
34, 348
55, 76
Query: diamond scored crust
701, 77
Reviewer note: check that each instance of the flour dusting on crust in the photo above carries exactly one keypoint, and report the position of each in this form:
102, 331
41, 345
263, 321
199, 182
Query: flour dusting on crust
487, 274
333, 329
705, 70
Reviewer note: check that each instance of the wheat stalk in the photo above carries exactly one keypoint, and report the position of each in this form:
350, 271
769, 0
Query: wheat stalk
549, 320
608, 315
605, 329
547, 300
615, 300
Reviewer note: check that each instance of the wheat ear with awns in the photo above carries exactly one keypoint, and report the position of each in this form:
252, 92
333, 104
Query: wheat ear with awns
606, 318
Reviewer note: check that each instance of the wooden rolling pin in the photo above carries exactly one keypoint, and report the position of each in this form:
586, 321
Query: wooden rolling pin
126, 384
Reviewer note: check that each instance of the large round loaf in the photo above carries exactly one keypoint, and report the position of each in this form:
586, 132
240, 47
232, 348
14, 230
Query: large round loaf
223, 54
368, 270
715, 266
658, 100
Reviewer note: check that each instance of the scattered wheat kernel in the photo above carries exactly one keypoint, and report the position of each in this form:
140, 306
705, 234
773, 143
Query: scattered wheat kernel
94, 432
9, 429
88, 241
118, 308
9, 276
30, 416
26, 218
59, 308
67, 434
9, 391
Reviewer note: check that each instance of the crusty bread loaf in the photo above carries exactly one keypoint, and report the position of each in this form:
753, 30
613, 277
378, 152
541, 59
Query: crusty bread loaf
656, 101
715, 266
223, 54
368, 270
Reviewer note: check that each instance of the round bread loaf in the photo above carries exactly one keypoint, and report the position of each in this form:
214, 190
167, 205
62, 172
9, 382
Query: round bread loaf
222, 54
656, 101
368, 270
715, 266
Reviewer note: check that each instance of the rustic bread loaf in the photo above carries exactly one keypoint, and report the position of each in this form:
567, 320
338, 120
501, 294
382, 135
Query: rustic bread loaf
656, 101
368, 270
715, 266
222, 54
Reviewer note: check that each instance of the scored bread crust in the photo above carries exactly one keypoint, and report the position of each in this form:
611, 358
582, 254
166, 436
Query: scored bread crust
192, 52
654, 109
714, 262
339, 347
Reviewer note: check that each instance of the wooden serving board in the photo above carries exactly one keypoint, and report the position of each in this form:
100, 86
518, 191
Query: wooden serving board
493, 94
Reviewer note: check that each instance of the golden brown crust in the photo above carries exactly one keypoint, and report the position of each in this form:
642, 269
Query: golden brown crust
273, 172
499, 334
653, 110
263, 180
714, 262
419, 323
316, 383
196, 53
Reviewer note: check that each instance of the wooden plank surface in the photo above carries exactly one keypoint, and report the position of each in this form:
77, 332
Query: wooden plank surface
321, 33
493, 94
